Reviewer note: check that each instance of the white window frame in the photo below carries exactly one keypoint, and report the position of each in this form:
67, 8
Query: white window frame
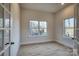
73, 27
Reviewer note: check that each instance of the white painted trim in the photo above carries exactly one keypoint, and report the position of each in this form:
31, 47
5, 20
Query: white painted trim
36, 42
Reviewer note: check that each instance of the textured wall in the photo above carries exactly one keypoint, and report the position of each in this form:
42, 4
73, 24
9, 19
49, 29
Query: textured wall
26, 16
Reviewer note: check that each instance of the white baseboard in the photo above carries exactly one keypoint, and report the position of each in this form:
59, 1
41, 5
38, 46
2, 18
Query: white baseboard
36, 42
64, 44
45, 42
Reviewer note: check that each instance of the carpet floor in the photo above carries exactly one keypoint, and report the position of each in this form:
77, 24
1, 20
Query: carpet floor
45, 49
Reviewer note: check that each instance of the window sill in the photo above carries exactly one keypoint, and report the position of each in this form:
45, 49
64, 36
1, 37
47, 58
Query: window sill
68, 37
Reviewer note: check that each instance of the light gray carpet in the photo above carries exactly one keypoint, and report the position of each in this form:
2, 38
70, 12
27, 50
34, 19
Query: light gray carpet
46, 49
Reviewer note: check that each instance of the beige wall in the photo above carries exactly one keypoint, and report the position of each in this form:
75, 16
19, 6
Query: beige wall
60, 16
26, 16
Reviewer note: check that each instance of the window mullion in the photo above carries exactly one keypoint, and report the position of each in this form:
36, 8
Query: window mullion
39, 27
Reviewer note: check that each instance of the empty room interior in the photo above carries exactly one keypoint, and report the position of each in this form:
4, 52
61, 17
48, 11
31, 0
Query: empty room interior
39, 29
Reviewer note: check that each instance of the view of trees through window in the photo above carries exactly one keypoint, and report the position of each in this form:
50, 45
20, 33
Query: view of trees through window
69, 27
38, 28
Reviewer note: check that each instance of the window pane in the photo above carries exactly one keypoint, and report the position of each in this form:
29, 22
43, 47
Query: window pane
6, 19
43, 24
34, 24
6, 37
1, 22
66, 23
6, 15
69, 32
1, 17
7, 23
43, 32
34, 31
1, 38
1, 26
71, 22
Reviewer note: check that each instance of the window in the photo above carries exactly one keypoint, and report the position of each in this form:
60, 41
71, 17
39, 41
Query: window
1, 22
38, 28
69, 27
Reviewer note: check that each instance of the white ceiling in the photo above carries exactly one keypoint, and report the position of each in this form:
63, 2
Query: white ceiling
47, 7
